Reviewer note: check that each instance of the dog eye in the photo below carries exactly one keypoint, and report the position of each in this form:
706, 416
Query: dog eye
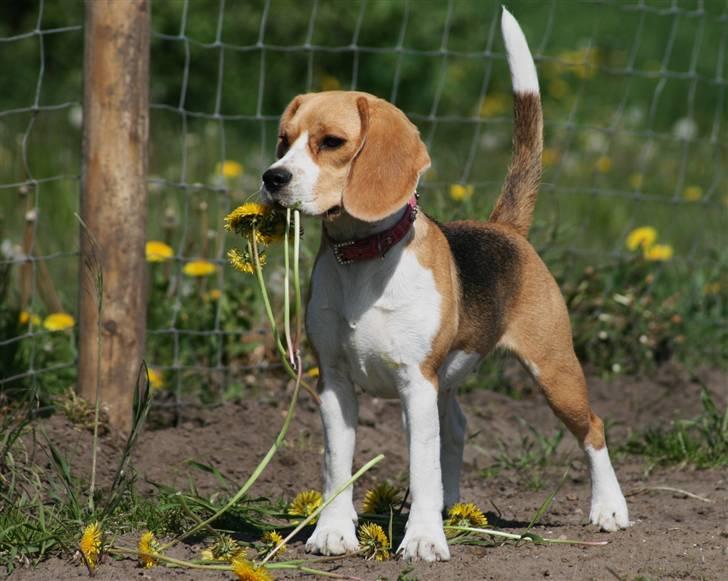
282, 146
332, 142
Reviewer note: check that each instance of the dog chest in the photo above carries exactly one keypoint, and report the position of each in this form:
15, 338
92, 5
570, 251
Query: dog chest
374, 320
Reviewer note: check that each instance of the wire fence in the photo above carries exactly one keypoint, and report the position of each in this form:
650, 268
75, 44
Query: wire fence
635, 135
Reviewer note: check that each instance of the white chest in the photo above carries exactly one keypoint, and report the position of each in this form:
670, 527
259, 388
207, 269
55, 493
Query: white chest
375, 320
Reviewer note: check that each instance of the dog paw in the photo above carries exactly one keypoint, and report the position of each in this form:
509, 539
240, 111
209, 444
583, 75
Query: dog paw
424, 543
333, 539
609, 512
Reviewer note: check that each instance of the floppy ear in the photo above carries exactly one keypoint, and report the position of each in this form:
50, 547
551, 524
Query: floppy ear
388, 165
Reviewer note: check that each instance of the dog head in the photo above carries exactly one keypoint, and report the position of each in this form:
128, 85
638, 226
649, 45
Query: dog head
345, 149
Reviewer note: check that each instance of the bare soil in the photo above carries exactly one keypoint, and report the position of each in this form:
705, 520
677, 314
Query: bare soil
674, 535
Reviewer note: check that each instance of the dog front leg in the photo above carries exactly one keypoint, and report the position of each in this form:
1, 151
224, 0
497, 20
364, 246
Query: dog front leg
335, 532
424, 538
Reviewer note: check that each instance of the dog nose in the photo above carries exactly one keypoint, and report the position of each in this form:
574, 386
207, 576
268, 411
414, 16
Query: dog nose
275, 178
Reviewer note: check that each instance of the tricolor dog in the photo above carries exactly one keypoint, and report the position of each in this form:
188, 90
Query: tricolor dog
403, 306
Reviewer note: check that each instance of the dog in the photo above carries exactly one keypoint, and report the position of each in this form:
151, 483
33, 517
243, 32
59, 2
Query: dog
403, 306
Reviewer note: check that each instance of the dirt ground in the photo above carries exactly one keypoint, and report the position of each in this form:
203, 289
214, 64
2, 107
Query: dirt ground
673, 536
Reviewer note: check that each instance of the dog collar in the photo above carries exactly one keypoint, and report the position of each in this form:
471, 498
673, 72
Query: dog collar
376, 245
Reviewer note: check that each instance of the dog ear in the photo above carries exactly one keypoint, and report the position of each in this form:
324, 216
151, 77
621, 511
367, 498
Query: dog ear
388, 165
288, 114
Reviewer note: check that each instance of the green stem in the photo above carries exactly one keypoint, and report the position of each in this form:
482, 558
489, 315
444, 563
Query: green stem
287, 290
297, 274
316, 512
528, 538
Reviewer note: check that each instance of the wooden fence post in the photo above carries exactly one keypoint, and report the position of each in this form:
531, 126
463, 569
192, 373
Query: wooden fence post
114, 201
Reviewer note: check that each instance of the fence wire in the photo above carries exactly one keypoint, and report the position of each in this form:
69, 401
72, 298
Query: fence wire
634, 102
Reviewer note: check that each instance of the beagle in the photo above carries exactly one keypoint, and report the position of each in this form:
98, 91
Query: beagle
403, 306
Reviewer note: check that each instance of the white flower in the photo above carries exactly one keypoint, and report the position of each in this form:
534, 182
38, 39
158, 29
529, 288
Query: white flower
11, 251
75, 116
685, 129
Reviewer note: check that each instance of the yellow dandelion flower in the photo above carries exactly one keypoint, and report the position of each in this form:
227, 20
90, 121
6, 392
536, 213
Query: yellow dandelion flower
551, 156
243, 262
229, 169
90, 544
466, 515
157, 251
245, 212
381, 498
373, 542
270, 540
147, 549
59, 322
225, 548
658, 253
636, 180
156, 378
711, 288
558, 88
642, 237
330, 83
246, 571
304, 504
493, 105
26, 317
461, 192
215, 294
314, 372
603, 164
693, 193
197, 268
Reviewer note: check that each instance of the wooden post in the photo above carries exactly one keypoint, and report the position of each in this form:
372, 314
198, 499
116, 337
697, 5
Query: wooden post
114, 201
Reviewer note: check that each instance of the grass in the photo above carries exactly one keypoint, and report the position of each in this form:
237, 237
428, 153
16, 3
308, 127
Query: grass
701, 442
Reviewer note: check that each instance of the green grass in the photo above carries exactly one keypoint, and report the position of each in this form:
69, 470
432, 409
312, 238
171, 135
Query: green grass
701, 442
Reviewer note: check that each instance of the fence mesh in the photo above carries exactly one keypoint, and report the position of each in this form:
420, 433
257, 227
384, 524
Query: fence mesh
634, 104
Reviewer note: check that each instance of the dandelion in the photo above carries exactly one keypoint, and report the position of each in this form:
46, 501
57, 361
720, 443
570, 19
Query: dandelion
493, 105
603, 164
461, 192
225, 548
330, 83
26, 317
229, 169
156, 378
304, 504
90, 544
381, 498
246, 571
244, 213
215, 294
243, 262
198, 268
692, 193
465, 515
558, 88
711, 288
157, 251
270, 540
658, 253
314, 372
636, 180
59, 322
147, 549
268, 224
373, 542
550, 156
642, 237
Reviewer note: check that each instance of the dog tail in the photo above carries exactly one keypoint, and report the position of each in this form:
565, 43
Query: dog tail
518, 196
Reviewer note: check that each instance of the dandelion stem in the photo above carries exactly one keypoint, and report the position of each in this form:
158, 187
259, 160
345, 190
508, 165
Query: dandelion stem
258, 470
287, 290
297, 274
316, 512
527, 537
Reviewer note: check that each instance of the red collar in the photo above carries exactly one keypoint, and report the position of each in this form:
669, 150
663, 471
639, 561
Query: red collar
376, 245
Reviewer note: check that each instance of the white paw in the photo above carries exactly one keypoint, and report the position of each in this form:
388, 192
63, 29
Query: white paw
609, 511
424, 543
333, 538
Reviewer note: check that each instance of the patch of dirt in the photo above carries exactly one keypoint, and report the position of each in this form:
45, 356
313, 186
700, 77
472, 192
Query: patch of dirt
674, 536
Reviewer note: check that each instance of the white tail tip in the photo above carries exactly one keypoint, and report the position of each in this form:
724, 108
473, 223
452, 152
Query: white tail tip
520, 61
